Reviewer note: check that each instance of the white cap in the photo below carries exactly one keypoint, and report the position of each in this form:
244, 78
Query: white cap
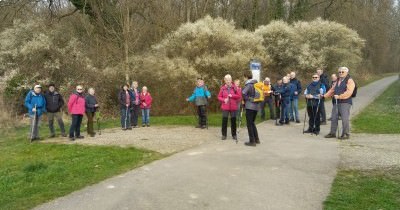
38, 86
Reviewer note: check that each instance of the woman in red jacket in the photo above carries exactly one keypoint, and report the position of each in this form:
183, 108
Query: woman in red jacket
229, 97
145, 105
76, 107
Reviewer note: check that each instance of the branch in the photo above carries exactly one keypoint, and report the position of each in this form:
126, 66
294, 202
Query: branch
67, 14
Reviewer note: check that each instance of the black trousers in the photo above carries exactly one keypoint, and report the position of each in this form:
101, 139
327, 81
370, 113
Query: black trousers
323, 112
225, 116
135, 115
251, 126
202, 112
314, 115
75, 129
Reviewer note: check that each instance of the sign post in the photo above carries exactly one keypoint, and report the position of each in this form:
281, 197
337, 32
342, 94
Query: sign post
255, 67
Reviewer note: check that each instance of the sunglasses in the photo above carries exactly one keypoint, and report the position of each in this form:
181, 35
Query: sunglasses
315, 77
79, 89
341, 72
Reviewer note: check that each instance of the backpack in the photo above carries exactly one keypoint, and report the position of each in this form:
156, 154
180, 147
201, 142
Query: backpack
258, 92
354, 94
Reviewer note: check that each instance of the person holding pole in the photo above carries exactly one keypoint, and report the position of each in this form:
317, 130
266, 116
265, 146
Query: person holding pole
313, 93
200, 97
125, 98
91, 108
229, 96
35, 102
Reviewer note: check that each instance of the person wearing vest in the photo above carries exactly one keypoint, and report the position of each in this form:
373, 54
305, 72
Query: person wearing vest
228, 96
135, 105
91, 108
267, 89
323, 78
200, 98
35, 102
313, 94
293, 108
251, 107
341, 92
54, 103
125, 98
76, 107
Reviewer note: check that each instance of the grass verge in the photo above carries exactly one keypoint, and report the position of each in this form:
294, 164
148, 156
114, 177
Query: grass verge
382, 115
31, 174
374, 189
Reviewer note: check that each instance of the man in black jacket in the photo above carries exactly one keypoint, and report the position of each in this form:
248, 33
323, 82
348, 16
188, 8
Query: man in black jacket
325, 81
54, 103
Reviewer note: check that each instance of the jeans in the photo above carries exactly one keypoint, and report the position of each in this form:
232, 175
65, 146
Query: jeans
58, 116
225, 116
285, 110
268, 100
251, 126
75, 129
294, 109
34, 131
145, 116
135, 115
125, 118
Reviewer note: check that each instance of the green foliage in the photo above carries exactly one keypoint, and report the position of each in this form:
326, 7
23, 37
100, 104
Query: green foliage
381, 116
375, 189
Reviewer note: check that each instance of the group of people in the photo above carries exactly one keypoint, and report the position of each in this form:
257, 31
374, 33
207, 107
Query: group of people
284, 98
131, 100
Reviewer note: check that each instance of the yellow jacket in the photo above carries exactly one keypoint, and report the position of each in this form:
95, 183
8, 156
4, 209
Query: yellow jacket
266, 89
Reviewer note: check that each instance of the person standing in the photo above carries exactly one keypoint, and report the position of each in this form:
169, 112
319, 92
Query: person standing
54, 103
267, 90
239, 101
294, 100
200, 96
35, 102
277, 92
286, 93
91, 108
341, 92
313, 94
323, 78
228, 96
333, 81
146, 101
252, 108
136, 104
76, 107
125, 98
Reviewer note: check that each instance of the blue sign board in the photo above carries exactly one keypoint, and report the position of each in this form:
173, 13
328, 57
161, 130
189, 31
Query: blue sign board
255, 66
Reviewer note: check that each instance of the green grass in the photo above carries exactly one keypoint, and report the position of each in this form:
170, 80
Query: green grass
31, 174
381, 116
375, 189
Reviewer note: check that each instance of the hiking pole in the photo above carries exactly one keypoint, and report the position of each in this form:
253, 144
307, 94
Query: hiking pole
98, 122
33, 125
305, 116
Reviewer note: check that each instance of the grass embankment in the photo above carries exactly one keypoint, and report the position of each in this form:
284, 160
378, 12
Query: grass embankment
31, 174
382, 115
371, 189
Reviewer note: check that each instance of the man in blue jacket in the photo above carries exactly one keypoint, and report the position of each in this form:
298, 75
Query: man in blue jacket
294, 101
200, 97
313, 93
36, 105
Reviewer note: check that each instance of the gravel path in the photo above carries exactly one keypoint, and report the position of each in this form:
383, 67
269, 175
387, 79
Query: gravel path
162, 139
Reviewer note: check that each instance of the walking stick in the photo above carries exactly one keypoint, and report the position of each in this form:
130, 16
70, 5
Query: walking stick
33, 125
98, 122
305, 116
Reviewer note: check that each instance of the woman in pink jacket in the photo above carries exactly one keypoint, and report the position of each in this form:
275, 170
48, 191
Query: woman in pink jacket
229, 97
76, 107
145, 105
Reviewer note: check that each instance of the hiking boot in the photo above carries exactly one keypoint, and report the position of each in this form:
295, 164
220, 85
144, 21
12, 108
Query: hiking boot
148, 125
72, 138
52, 135
298, 121
323, 123
130, 128
92, 135
223, 138
344, 137
143, 125
308, 131
203, 127
64, 135
252, 144
330, 135
80, 137
234, 137
291, 120
257, 141
316, 133
287, 123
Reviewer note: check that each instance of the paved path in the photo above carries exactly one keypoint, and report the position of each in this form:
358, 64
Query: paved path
288, 170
